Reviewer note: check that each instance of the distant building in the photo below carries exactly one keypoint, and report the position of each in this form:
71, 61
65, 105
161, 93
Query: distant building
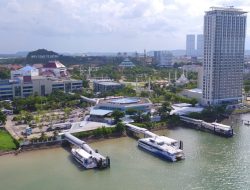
39, 85
182, 80
54, 68
200, 45
27, 81
190, 45
25, 71
195, 93
126, 63
200, 78
106, 86
224, 44
163, 58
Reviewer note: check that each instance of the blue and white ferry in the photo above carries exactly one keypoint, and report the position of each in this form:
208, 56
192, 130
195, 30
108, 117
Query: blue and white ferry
161, 148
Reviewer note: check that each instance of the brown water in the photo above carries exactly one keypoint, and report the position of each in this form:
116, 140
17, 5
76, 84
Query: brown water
212, 162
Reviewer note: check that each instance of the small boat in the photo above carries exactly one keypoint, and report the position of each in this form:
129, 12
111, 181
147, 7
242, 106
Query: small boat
84, 158
159, 147
247, 123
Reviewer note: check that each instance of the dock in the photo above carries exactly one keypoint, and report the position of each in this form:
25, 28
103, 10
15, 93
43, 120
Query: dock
215, 128
102, 162
147, 133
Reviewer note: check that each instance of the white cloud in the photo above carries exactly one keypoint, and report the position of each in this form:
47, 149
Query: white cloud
132, 24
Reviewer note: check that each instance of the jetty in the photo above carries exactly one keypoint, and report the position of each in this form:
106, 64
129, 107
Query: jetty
215, 128
101, 161
161, 146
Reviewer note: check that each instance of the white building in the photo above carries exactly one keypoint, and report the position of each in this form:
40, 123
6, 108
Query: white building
200, 45
163, 58
27, 81
25, 71
190, 45
182, 80
126, 63
224, 43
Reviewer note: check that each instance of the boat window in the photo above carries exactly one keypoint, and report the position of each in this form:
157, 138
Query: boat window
160, 143
152, 140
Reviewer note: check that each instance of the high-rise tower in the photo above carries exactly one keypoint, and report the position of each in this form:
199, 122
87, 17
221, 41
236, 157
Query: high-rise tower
224, 44
190, 45
200, 45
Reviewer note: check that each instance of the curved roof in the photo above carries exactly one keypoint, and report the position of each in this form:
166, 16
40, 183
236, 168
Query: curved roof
28, 68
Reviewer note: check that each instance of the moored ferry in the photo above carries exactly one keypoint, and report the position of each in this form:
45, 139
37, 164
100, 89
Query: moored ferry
160, 148
84, 158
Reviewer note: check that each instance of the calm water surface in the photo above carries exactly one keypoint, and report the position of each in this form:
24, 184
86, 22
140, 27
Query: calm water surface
211, 162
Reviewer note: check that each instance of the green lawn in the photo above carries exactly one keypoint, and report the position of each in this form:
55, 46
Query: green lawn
6, 141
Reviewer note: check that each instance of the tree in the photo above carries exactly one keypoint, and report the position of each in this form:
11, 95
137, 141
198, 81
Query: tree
120, 128
131, 111
117, 115
3, 117
193, 101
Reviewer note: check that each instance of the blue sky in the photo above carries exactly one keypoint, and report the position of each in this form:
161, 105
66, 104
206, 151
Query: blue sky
103, 25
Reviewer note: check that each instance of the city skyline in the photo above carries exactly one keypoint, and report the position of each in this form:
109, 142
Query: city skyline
92, 25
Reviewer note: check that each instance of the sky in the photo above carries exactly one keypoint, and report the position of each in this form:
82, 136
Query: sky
104, 25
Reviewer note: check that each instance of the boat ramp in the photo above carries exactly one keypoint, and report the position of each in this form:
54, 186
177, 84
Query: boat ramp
216, 128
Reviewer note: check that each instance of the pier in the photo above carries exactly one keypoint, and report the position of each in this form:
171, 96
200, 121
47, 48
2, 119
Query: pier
216, 128
102, 162
139, 130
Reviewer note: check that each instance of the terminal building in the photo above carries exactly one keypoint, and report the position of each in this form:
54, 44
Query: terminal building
124, 104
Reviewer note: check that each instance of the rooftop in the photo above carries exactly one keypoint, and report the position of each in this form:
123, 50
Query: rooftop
100, 112
126, 100
196, 90
28, 68
54, 64
227, 9
108, 83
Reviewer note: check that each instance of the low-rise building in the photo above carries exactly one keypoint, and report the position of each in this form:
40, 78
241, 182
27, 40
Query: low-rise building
126, 63
27, 81
163, 58
125, 103
25, 71
106, 86
39, 85
195, 93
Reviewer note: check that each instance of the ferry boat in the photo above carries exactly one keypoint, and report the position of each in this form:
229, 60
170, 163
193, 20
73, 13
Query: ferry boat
84, 158
223, 130
247, 123
158, 147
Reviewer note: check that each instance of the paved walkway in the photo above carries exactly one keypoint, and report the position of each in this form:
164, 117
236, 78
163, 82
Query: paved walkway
9, 128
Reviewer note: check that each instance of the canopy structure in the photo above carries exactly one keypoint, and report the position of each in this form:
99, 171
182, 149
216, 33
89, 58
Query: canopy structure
100, 112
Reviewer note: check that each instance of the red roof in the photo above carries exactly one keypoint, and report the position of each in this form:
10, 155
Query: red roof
54, 64
15, 67
48, 74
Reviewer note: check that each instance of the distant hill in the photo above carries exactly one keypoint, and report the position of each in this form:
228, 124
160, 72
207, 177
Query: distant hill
42, 54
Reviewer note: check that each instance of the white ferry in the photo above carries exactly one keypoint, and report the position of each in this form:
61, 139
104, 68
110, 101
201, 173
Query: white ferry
84, 158
159, 147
